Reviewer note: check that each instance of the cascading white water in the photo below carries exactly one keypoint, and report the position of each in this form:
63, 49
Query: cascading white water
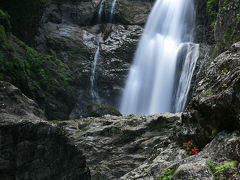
112, 10
161, 73
183, 84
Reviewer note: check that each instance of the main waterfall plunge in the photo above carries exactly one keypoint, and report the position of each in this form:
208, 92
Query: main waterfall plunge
161, 73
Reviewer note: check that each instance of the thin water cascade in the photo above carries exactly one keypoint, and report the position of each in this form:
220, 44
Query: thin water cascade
100, 11
93, 92
160, 76
112, 10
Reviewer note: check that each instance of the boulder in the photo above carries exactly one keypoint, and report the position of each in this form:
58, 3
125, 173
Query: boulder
98, 110
115, 145
215, 103
32, 148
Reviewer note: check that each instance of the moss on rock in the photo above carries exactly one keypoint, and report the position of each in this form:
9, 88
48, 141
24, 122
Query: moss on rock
43, 78
98, 110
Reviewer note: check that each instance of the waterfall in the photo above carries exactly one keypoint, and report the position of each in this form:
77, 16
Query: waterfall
93, 92
160, 76
100, 11
183, 85
112, 10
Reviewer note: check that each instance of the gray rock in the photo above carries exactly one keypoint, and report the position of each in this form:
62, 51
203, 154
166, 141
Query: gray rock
115, 145
215, 103
224, 148
69, 32
226, 31
76, 46
98, 110
30, 147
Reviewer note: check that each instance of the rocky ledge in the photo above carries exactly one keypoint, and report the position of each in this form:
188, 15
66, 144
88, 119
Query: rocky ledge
150, 147
32, 148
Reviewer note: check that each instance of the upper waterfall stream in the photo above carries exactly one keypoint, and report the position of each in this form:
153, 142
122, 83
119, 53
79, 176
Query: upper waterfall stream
160, 76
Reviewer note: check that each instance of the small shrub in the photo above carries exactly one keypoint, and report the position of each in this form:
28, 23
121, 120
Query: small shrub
190, 148
224, 71
130, 116
218, 169
224, 86
208, 93
168, 175
214, 133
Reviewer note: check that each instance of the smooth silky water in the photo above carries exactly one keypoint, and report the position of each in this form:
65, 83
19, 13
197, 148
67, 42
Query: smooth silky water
112, 10
160, 76
93, 90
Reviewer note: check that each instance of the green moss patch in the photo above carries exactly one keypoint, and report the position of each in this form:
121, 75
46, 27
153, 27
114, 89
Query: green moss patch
5, 20
212, 10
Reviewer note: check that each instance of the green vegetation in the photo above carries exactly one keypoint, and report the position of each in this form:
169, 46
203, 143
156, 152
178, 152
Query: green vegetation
218, 169
214, 133
35, 66
168, 175
130, 116
212, 10
232, 30
38, 76
224, 86
190, 148
3, 39
224, 71
99, 110
226, 2
5, 20
208, 93
25, 15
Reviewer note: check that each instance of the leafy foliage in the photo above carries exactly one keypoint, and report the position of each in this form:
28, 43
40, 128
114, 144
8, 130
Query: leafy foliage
168, 175
190, 148
216, 170
3, 39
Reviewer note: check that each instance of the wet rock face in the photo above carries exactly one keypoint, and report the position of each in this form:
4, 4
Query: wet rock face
215, 104
226, 31
203, 31
76, 45
30, 147
126, 14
